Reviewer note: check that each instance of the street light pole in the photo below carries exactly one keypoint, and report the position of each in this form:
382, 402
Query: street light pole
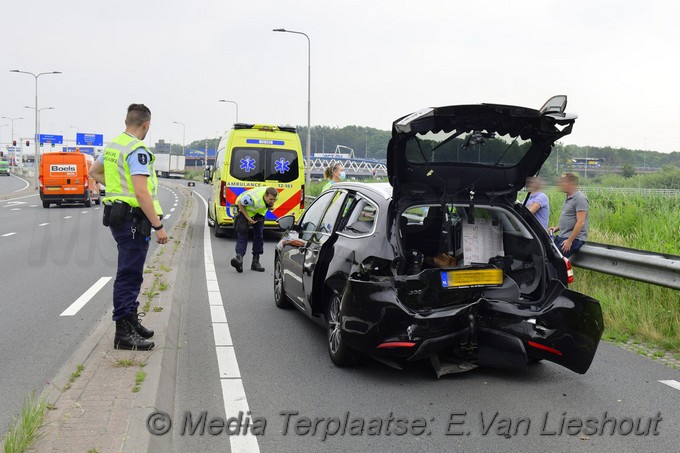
308, 169
231, 102
184, 129
12, 120
37, 128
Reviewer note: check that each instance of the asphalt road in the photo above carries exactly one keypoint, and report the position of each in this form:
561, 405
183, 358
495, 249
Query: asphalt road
12, 184
49, 258
285, 367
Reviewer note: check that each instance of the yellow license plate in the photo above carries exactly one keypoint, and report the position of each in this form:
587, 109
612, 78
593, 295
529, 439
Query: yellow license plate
468, 278
53, 188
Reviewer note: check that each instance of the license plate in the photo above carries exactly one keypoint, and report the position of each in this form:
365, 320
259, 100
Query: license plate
471, 278
53, 188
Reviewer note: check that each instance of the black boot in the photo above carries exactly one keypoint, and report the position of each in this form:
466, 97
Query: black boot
256, 266
237, 262
127, 337
141, 330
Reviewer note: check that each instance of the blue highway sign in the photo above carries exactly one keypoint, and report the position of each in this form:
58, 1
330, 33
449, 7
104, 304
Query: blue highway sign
89, 139
50, 138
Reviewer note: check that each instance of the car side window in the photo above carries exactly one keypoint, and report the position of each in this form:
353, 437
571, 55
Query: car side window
312, 218
332, 213
362, 218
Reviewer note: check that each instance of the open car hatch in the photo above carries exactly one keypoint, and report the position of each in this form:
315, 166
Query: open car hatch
484, 148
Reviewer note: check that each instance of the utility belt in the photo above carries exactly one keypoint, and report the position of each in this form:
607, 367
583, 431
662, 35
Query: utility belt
117, 213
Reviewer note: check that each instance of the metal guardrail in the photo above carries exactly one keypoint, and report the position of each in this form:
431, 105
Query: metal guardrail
649, 267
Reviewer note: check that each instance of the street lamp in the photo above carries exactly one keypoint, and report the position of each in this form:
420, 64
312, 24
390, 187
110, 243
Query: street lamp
37, 124
184, 129
12, 120
308, 169
231, 102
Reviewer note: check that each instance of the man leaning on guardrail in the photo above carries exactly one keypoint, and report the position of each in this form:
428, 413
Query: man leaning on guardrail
573, 225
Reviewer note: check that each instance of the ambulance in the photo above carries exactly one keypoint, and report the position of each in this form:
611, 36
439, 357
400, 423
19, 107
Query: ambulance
256, 155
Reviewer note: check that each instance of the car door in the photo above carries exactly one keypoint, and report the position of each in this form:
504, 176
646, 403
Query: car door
293, 256
316, 243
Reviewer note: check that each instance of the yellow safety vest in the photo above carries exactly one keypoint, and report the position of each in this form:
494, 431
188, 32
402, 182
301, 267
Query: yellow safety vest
117, 172
259, 206
328, 185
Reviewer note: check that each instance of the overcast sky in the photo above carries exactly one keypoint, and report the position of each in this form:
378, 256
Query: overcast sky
372, 61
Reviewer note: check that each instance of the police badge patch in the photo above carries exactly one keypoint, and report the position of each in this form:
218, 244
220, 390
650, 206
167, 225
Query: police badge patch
142, 158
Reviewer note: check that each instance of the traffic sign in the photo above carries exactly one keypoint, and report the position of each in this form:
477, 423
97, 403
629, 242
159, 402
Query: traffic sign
89, 139
82, 149
49, 138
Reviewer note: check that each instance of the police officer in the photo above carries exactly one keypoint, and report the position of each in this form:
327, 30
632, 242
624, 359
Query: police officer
252, 207
131, 209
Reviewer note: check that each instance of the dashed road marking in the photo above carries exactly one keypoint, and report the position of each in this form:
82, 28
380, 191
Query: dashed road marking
85, 297
172, 209
43, 224
33, 206
68, 216
167, 216
9, 234
15, 209
233, 392
672, 383
84, 212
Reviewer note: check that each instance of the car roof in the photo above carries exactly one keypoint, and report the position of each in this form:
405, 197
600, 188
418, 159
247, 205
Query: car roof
382, 189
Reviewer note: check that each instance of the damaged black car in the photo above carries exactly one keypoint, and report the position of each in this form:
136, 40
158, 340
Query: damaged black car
443, 263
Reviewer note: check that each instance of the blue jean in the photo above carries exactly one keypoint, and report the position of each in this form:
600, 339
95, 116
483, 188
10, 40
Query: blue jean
242, 227
130, 275
577, 244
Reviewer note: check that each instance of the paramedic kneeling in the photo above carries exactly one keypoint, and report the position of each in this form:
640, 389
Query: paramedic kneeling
131, 210
252, 208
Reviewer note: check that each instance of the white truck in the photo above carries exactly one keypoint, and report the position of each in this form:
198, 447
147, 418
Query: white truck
169, 165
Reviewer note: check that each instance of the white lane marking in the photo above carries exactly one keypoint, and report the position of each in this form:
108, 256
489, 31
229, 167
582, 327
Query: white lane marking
43, 224
85, 297
172, 209
96, 208
167, 216
25, 182
9, 234
68, 216
174, 205
14, 203
84, 212
33, 206
222, 335
233, 392
672, 383
15, 209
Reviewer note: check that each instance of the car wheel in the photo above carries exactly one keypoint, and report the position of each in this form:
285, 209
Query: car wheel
46, 204
341, 354
98, 201
280, 298
88, 203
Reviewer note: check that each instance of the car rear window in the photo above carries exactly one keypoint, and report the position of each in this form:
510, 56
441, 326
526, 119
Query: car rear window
476, 147
264, 164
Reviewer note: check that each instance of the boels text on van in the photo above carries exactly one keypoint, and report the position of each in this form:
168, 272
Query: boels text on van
63, 168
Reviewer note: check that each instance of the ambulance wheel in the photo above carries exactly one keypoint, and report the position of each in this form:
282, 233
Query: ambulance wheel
46, 204
219, 231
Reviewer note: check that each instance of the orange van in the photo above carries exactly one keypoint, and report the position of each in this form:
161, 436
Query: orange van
64, 179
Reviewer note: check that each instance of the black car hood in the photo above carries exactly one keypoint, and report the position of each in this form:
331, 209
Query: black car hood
536, 129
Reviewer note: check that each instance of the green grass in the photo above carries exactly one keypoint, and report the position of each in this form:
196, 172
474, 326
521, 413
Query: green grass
140, 376
24, 431
632, 310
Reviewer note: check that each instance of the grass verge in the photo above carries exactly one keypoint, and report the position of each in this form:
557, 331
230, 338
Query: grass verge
24, 431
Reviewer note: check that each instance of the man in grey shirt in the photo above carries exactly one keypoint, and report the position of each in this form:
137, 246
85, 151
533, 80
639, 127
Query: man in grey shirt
573, 226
